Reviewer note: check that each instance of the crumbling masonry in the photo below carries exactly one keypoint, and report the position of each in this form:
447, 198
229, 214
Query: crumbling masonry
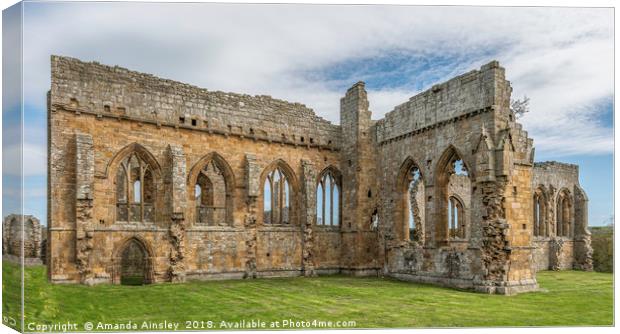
23, 238
155, 180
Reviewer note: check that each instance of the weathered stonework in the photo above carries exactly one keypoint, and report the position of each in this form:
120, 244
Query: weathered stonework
553, 249
309, 217
157, 177
85, 170
23, 232
177, 194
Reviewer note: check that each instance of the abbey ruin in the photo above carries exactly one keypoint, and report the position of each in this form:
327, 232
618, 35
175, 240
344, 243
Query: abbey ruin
152, 180
23, 239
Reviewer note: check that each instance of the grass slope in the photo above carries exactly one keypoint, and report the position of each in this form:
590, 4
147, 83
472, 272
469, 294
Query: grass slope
569, 298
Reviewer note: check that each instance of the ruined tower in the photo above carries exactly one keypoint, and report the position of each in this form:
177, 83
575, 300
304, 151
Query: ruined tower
360, 191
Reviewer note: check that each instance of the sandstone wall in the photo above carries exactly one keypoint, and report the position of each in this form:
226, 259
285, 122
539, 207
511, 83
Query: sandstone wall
101, 115
211, 251
557, 174
224, 247
361, 253
123, 93
551, 178
467, 117
457, 97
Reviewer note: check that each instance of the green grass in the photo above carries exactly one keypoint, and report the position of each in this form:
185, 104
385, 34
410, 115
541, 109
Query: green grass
568, 298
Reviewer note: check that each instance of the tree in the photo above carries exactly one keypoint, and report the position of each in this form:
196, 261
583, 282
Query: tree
520, 106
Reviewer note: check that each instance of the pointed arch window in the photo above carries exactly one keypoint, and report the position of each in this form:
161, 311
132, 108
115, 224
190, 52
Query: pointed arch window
210, 196
135, 190
540, 222
328, 200
277, 198
455, 192
414, 203
458, 183
564, 214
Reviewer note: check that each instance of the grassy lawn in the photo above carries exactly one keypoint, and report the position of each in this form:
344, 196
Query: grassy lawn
568, 298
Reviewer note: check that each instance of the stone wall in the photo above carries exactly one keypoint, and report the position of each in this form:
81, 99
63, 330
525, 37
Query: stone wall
107, 90
82, 244
101, 117
466, 118
554, 251
457, 97
22, 231
360, 251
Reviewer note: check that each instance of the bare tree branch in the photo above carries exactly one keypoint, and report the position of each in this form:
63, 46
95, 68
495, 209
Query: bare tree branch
520, 106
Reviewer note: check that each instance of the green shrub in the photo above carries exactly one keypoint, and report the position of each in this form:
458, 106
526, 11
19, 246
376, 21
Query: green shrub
603, 246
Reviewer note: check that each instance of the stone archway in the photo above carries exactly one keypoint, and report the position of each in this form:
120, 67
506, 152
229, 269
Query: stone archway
21, 234
452, 177
133, 263
410, 202
212, 178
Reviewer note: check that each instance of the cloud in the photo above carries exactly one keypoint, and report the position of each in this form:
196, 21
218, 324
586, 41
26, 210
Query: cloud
560, 57
11, 57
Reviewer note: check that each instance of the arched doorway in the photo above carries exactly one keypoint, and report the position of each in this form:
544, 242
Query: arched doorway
133, 263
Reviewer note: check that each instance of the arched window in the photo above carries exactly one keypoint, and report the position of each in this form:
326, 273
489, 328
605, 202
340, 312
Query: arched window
414, 203
564, 214
456, 217
540, 222
210, 195
277, 198
328, 200
212, 181
135, 190
453, 186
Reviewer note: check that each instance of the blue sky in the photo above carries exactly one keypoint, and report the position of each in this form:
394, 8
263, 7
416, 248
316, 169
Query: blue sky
561, 58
